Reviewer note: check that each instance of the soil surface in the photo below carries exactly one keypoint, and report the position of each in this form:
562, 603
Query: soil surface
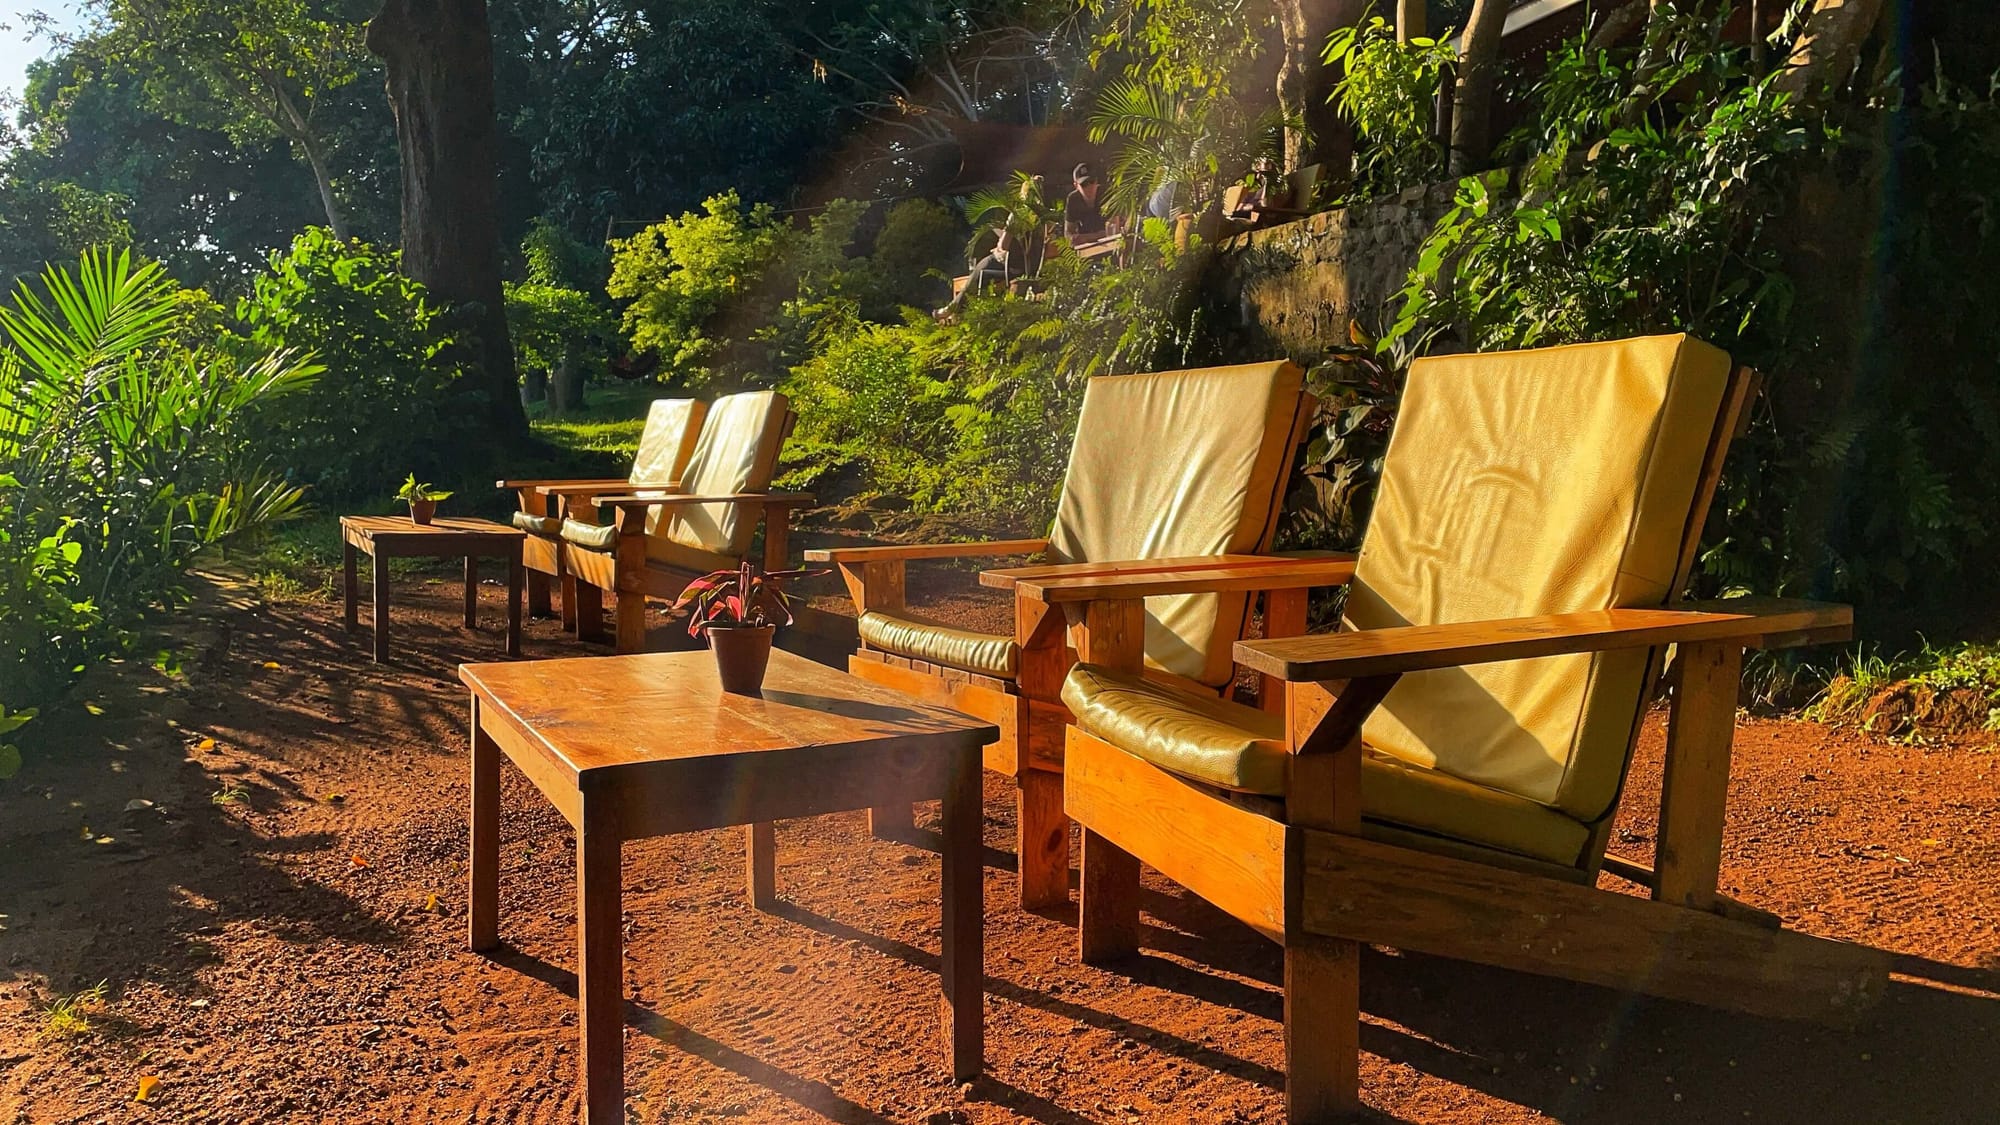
258, 846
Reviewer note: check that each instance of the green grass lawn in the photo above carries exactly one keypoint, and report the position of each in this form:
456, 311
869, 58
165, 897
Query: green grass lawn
609, 422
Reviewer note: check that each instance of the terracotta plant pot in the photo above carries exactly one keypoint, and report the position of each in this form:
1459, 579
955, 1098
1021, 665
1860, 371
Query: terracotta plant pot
742, 652
421, 511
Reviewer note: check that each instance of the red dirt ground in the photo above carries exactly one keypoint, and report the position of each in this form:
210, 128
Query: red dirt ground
278, 956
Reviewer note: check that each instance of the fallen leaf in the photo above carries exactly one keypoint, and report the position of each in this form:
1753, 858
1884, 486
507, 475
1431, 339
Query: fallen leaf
205, 744
198, 1003
147, 1084
138, 804
336, 798
273, 665
1932, 842
431, 904
93, 708
357, 861
104, 840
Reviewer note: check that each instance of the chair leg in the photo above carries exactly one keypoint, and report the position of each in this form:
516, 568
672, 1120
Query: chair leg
1108, 902
539, 604
589, 603
1322, 1029
1041, 840
631, 622
567, 588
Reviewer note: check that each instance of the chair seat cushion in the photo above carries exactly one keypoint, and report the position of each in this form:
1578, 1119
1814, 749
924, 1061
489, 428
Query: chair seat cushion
1226, 744
538, 525
597, 537
918, 638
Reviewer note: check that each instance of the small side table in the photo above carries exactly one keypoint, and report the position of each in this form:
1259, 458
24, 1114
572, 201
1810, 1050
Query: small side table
628, 747
383, 538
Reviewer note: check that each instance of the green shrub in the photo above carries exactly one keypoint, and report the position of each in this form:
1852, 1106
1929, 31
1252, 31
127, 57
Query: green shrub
1388, 90
392, 402
123, 454
681, 275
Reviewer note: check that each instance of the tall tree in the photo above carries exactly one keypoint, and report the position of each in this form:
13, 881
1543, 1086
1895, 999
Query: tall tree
247, 67
1316, 133
439, 60
1826, 50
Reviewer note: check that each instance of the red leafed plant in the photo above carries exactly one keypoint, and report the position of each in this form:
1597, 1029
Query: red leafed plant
742, 598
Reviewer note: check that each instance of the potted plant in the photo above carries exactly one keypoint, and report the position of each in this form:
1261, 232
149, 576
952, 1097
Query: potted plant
423, 499
739, 611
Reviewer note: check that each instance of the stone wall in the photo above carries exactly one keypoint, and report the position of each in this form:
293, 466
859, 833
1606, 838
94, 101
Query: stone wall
1292, 289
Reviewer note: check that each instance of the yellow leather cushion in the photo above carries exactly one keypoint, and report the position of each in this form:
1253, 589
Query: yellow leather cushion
597, 537
1527, 483
737, 452
1181, 463
604, 537
920, 639
538, 525
1235, 747
673, 425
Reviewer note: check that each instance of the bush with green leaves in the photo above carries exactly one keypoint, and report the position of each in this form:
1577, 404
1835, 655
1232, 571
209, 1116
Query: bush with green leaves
1388, 90
557, 331
679, 277
1668, 188
392, 398
124, 452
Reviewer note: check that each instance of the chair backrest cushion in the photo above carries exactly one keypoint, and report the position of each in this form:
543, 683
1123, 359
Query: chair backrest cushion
1525, 483
672, 427
1174, 464
737, 452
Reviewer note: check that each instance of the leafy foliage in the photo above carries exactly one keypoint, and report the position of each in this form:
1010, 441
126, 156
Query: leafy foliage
678, 275
1670, 189
1387, 90
745, 597
122, 455
390, 398
1192, 140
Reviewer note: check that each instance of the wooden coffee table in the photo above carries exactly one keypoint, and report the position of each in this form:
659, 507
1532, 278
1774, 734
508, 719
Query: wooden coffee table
628, 747
383, 538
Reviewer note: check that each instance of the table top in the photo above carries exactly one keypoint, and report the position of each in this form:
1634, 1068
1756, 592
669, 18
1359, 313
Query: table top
441, 528
599, 715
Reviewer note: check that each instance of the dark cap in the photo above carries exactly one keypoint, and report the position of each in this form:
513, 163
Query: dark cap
1081, 172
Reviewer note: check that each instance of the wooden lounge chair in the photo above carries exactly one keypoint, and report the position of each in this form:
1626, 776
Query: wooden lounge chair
672, 425
661, 539
1444, 776
1165, 467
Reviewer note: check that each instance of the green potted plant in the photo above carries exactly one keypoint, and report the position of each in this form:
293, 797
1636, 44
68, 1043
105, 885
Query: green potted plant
422, 498
739, 611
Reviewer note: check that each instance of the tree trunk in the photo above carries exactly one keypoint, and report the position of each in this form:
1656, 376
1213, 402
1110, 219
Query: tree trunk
1826, 50
316, 160
566, 384
1478, 66
438, 55
1314, 133
1412, 20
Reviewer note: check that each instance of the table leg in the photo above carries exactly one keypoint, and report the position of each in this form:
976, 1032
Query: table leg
483, 897
600, 966
472, 591
761, 863
379, 596
350, 587
963, 960
515, 573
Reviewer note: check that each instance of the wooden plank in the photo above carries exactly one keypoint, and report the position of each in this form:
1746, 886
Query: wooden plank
1108, 926
1733, 413
1226, 854
962, 943
378, 593
897, 552
1041, 839
1382, 894
1632, 871
873, 585
516, 573
1007, 578
1291, 573
1376, 652
1695, 782
1322, 1028
482, 913
760, 863
1112, 635
600, 970
1284, 616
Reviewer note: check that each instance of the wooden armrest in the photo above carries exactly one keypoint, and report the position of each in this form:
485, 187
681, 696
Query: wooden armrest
613, 482
764, 499
902, 551
1752, 622
1211, 575
592, 488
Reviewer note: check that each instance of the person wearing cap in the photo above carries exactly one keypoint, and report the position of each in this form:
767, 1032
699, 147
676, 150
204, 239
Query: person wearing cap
1082, 220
